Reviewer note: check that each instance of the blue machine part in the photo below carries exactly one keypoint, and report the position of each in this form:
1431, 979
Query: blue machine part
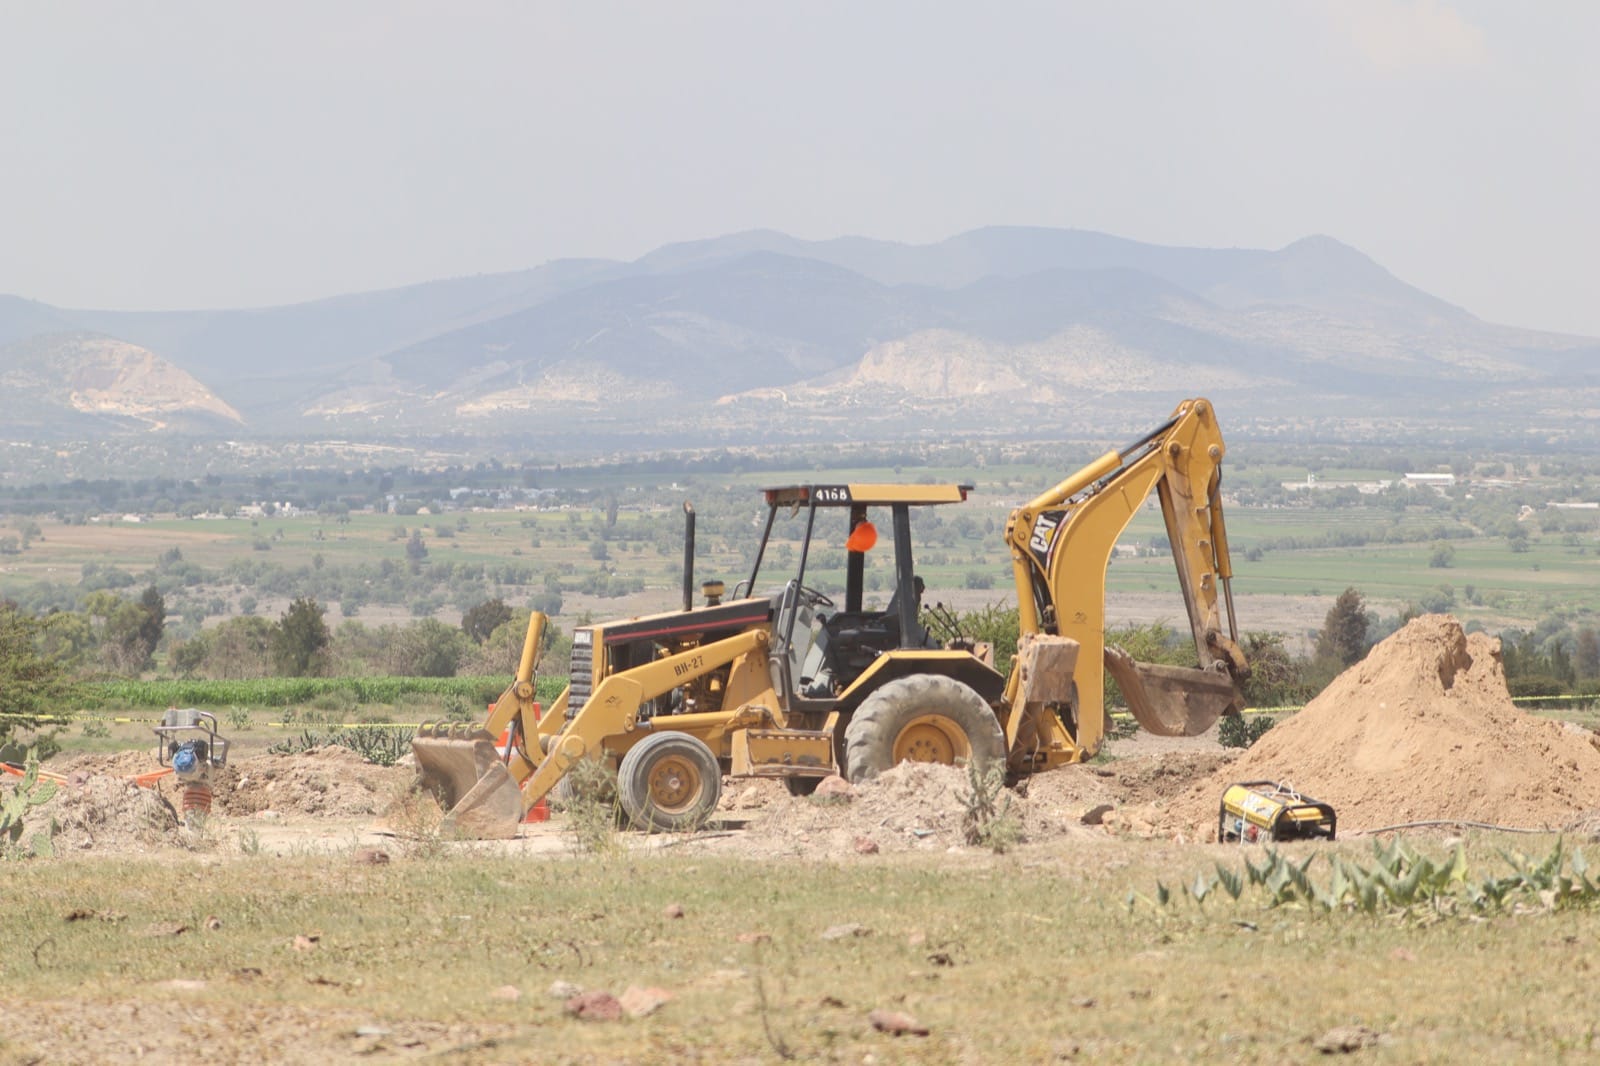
184, 761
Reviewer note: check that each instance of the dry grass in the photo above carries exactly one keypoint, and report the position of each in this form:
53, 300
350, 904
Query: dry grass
1029, 957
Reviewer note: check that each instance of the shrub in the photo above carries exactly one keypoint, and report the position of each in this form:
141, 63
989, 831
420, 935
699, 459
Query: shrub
1237, 731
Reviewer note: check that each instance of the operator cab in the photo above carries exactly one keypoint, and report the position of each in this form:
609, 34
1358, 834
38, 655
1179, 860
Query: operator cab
819, 645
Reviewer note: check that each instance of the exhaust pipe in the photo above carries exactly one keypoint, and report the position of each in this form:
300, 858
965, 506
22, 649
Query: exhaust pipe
688, 556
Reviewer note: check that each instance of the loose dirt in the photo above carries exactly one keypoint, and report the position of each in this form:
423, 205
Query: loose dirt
1422, 729
100, 808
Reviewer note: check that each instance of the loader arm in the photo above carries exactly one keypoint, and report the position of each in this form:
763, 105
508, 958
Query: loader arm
1061, 544
613, 708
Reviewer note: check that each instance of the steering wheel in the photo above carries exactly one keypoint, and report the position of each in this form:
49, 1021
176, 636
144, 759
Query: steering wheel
814, 598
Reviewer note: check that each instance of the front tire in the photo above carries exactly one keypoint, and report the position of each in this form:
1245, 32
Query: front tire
669, 782
922, 718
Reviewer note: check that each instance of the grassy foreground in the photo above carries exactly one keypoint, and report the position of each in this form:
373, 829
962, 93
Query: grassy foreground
1028, 957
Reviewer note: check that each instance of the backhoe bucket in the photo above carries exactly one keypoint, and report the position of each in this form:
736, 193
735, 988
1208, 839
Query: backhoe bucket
1171, 701
465, 774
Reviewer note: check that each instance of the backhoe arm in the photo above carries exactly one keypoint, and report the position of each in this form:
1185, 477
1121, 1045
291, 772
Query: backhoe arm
1061, 543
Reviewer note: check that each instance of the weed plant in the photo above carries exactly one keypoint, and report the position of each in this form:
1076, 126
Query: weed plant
1401, 882
589, 798
987, 819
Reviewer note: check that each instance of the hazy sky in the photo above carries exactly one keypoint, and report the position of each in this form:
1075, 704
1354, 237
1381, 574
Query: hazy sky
175, 155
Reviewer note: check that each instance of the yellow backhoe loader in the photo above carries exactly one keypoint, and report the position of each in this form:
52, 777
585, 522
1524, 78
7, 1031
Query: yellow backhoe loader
790, 684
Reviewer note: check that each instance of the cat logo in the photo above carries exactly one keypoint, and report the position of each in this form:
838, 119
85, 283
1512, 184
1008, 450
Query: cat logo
1044, 530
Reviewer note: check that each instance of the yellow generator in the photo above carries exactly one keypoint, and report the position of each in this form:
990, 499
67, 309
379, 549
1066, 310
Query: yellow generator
1270, 810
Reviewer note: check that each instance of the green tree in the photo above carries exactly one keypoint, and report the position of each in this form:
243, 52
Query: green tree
129, 630
29, 682
1443, 555
416, 550
154, 623
1344, 631
426, 648
1276, 678
482, 620
1586, 656
300, 640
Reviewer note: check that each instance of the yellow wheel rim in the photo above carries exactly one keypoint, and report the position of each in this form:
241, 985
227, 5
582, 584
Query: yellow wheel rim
675, 784
931, 738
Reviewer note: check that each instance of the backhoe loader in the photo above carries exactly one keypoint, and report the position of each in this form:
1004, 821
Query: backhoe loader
789, 684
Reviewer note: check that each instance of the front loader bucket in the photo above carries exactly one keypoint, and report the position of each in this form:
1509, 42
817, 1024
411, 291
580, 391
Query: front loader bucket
465, 774
1171, 701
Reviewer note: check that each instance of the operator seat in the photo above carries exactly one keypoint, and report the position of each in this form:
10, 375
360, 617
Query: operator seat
918, 637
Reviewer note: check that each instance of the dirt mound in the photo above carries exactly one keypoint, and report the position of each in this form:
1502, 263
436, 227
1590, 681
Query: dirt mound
109, 813
331, 780
1422, 729
100, 807
911, 807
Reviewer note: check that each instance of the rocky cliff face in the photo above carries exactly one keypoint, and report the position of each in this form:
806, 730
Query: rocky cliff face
80, 379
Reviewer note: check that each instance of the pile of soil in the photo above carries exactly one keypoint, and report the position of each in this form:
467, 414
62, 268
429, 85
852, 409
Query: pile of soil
329, 781
111, 814
100, 808
912, 807
1422, 729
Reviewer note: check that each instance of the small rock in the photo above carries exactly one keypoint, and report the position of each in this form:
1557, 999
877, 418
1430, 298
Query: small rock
1084, 1001
896, 1023
212, 923
834, 787
643, 1002
165, 929
1402, 955
564, 990
1347, 1038
845, 931
1096, 815
306, 943
672, 910
866, 846
748, 799
917, 938
595, 1007
507, 993
755, 938
371, 856
182, 984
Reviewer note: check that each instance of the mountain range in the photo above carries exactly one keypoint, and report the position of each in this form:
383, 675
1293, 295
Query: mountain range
1002, 329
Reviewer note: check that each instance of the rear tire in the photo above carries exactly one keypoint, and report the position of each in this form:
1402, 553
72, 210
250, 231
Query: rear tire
669, 782
921, 718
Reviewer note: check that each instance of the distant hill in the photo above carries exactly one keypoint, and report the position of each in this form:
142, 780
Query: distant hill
998, 329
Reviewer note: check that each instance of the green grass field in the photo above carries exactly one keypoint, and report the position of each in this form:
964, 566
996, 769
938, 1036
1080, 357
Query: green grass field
1032, 957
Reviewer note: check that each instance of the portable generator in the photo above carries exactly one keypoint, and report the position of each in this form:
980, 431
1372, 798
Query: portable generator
1270, 810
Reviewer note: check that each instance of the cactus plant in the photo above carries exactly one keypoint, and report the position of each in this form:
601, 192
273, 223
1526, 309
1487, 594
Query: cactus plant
30, 792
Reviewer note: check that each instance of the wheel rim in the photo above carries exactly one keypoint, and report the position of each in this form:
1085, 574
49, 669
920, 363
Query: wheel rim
931, 738
675, 784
